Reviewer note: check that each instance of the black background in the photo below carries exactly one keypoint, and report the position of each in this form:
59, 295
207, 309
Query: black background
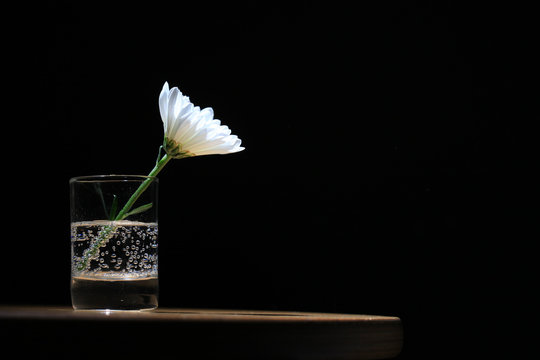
386, 169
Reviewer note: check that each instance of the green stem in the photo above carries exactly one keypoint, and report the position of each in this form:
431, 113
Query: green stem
108, 231
159, 166
103, 236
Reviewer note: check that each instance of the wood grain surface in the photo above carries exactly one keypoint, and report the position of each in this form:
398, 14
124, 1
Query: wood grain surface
197, 334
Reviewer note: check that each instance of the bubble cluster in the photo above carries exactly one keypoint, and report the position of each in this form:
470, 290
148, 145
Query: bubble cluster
131, 250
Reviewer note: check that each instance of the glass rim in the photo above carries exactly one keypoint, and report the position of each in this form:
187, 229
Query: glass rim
111, 177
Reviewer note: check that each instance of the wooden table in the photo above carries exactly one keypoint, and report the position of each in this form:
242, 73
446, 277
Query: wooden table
60, 332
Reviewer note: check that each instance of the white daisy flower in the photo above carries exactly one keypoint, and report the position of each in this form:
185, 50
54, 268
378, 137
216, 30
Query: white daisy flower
190, 131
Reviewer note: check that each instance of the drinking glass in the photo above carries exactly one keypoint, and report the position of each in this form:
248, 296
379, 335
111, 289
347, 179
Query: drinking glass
114, 242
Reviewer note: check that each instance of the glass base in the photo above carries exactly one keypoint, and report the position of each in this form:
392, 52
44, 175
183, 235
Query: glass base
107, 294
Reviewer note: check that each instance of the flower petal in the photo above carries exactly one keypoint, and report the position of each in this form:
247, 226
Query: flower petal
171, 107
163, 101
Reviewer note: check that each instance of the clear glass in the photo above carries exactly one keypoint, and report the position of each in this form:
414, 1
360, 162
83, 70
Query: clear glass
114, 249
